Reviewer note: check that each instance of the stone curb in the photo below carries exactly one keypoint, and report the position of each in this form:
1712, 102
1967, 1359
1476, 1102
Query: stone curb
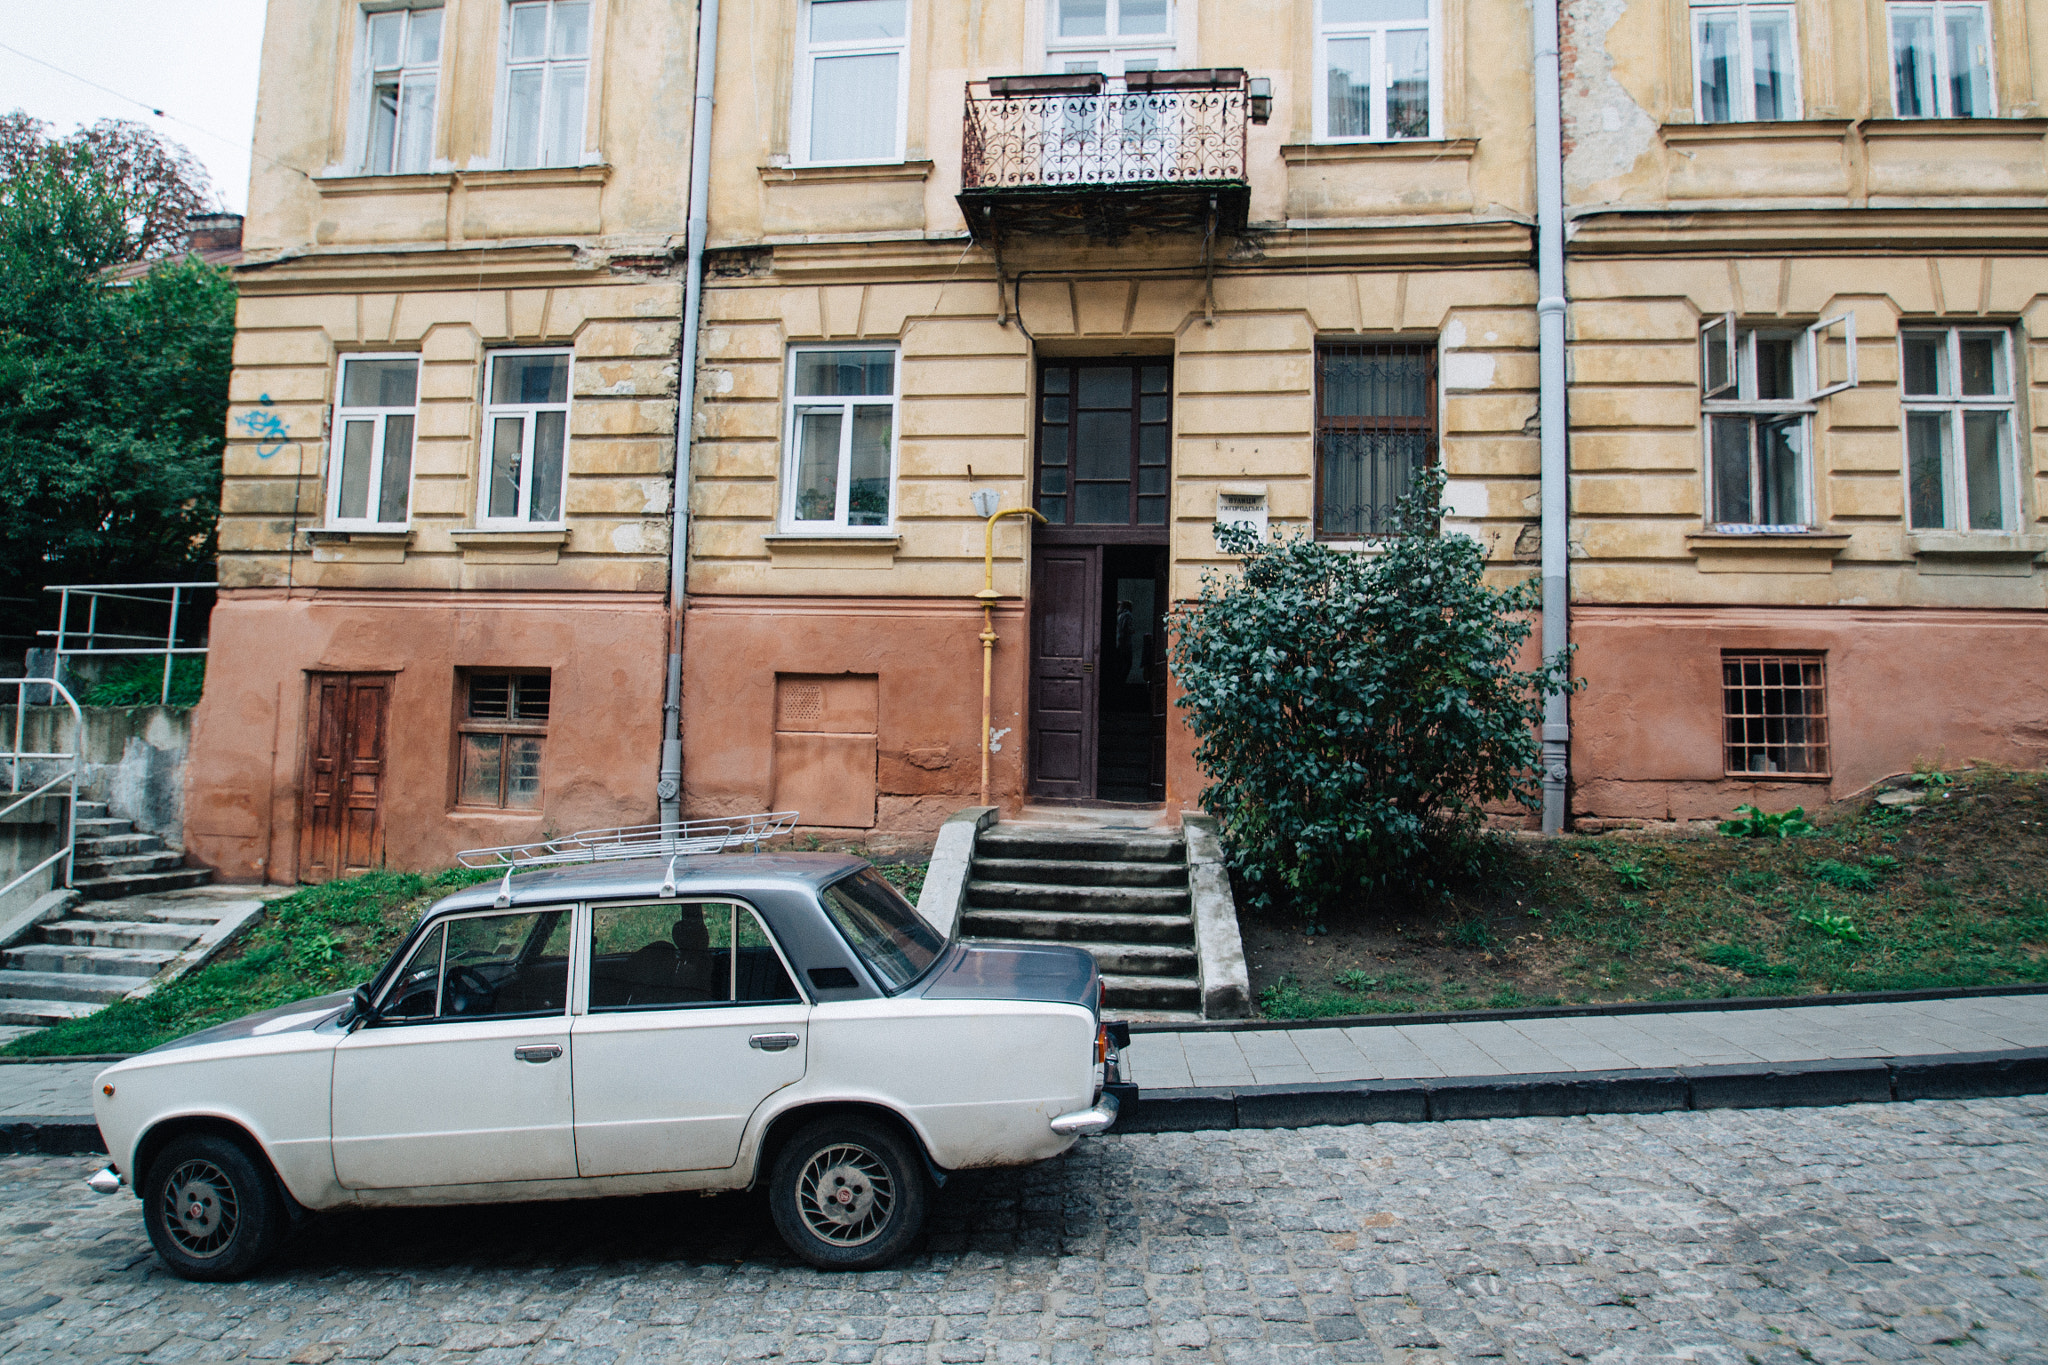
1781, 1085
51, 1137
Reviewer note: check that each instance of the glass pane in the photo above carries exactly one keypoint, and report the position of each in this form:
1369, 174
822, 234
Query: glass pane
1151, 481
564, 131
1927, 469
1151, 511
1374, 11
845, 374
1350, 80
651, 956
483, 771
1969, 63
1055, 409
387, 39
1152, 442
1363, 474
894, 943
1055, 381
1408, 83
1733, 504
1052, 445
572, 29
817, 465
1054, 509
1925, 363
1083, 18
1153, 408
1983, 364
414, 990
1152, 379
1984, 469
423, 38
379, 383
522, 118
1052, 480
529, 33
415, 152
1774, 371
758, 975
1375, 383
853, 108
856, 21
1781, 451
499, 965
1717, 39
383, 128
1106, 388
353, 504
1716, 350
394, 490
867, 481
1102, 446
1770, 48
1913, 62
1141, 16
507, 441
550, 438
526, 379
522, 782
1103, 504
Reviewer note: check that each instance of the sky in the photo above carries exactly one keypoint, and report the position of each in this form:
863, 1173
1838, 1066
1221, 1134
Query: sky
193, 59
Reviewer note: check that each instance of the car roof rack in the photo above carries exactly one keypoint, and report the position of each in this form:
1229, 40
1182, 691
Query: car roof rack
676, 840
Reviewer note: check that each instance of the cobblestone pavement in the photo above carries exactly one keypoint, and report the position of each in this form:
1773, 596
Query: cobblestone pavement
1890, 1232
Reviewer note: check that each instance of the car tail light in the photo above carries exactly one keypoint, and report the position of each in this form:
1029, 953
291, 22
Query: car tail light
1101, 1044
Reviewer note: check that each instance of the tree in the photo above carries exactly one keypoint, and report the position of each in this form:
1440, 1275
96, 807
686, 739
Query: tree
1357, 714
157, 181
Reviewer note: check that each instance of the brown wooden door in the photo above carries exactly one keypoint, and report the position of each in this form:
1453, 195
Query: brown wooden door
1066, 630
341, 830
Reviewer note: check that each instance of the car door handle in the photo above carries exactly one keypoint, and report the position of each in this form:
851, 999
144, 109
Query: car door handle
773, 1042
546, 1053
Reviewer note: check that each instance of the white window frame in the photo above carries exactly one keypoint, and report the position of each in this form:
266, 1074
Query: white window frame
1738, 400
809, 53
550, 68
1745, 56
381, 417
1319, 82
364, 125
528, 412
1112, 50
1955, 483
1942, 71
794, 407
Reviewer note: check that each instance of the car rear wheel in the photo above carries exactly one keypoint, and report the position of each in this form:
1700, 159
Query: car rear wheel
212, 1209
848, 1194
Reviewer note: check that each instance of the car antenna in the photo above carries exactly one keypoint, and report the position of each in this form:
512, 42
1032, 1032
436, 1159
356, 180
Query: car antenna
504, 900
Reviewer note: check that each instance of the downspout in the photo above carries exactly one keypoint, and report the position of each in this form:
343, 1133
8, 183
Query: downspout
1550, 406
669, 790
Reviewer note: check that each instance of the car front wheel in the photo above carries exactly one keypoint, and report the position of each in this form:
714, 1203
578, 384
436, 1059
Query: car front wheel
212, 1210
848, 1194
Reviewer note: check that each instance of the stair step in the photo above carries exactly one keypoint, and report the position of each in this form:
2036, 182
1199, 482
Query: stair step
1071, 872
109, 888
1077, 927
1151, 993
998, 842
1115, 900
43, 1013
114, 845
126, 864
80, 986
100, 826
84, 960
91, 810
1141, 959
120, 933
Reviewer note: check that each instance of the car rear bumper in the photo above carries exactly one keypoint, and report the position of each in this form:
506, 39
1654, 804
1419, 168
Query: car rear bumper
1099, 1118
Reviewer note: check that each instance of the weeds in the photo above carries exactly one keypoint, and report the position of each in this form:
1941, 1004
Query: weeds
1839, 927
1843, 876
1751, 823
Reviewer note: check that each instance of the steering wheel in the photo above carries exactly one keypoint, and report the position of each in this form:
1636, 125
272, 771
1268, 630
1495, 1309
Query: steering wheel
466, 991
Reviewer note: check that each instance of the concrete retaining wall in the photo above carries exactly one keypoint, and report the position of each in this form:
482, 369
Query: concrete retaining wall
134, 760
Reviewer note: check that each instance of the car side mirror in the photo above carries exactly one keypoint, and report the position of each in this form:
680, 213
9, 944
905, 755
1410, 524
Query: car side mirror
361, 1011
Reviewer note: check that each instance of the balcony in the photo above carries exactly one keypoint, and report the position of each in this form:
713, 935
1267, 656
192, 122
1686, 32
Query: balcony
1098, 156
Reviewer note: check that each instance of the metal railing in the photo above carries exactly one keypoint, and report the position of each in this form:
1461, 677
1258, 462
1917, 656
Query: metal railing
635, 841
69, 766
175, 596
1085, 130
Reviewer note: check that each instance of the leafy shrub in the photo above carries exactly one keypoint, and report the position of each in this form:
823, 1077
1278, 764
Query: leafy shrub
1355, 714
141, 683
1833, 925
1751, 823
1843, 876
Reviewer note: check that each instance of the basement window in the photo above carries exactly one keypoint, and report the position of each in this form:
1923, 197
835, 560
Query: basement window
501, 734
1774, 715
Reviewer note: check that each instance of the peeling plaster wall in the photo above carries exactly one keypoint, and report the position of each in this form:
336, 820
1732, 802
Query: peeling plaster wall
1607, 134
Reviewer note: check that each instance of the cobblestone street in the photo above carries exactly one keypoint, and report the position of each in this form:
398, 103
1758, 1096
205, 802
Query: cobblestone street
1893, 1232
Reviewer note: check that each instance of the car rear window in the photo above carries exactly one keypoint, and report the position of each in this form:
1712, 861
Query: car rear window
895, 944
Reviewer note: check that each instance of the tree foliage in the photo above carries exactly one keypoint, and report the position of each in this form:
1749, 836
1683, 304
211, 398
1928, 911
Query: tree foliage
158, 184
1356, 714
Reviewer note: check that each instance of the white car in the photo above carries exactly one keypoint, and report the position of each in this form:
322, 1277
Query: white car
697, 1023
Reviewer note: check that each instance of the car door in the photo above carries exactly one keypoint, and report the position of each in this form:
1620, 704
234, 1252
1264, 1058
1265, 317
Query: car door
463, 1077
692, 1021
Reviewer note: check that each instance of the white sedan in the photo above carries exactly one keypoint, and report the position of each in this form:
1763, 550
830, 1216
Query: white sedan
702, 1023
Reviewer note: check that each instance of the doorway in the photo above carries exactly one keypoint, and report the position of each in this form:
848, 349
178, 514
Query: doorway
341, 820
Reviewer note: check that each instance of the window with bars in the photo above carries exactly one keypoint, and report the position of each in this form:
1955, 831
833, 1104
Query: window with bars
1104, 437
1376, 427
501, 734
1774, 715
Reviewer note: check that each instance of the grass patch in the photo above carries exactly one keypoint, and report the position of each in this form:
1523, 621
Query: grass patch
141, 683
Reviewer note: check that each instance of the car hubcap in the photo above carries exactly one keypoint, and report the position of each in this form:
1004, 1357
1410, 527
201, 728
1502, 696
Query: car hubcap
845, 1195
200, 1212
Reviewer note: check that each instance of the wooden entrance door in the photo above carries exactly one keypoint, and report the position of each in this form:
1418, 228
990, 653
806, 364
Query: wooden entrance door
341, 823
1066, 632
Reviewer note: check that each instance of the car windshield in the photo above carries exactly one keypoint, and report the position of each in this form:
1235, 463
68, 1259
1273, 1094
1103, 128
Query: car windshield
895, 944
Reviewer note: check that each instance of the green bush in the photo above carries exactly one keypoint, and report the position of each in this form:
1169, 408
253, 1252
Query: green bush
1355, 714
141, 683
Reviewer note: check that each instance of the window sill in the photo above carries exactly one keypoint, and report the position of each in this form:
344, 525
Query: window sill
837, 173
1407, 149
787, 550
331, 546
512, 546
1760, 779
1775, 130
1765, 551
329, 186
2030, 128
1984, 554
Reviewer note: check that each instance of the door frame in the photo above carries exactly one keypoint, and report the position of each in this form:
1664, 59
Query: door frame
307, 835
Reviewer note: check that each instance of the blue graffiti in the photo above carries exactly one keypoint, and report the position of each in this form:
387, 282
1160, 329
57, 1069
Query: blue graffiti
266, 427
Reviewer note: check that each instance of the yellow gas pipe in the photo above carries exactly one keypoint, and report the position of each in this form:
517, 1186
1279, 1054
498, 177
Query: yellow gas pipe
988, 596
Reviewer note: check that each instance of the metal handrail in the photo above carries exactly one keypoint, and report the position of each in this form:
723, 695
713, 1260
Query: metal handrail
95, 593
15, 756
635, 841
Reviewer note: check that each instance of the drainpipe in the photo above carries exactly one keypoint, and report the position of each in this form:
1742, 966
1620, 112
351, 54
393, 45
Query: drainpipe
988, 597
1550, 311
670, 788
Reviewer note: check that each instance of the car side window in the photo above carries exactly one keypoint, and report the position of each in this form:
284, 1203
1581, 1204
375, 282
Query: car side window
669, 956
484, 966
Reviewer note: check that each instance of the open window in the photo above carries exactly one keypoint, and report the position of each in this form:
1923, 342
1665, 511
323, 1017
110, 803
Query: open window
1717, 356
1831, 355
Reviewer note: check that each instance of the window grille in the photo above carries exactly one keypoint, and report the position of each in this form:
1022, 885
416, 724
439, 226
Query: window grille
1774, 715
1376, 426
503, 732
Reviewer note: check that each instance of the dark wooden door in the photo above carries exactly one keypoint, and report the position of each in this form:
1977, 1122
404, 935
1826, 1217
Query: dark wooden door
341, 829
1066, 630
